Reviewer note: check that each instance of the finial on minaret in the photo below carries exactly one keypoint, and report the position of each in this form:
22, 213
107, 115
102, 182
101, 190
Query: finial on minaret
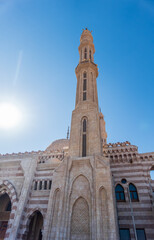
68, 132
86, 29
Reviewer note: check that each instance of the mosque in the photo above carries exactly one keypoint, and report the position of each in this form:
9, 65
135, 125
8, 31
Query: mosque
81, 188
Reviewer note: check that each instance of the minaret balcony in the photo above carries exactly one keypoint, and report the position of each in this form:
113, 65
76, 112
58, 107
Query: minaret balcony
87, 63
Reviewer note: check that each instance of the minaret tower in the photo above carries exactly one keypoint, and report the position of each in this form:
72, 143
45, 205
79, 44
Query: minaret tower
82, 182
88, 127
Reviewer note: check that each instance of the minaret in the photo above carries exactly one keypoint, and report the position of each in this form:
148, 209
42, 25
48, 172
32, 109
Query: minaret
87, 127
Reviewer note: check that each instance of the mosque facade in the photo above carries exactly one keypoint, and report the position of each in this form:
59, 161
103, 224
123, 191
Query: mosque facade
81, 188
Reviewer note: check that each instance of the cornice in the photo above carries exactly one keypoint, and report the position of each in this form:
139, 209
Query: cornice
86, 64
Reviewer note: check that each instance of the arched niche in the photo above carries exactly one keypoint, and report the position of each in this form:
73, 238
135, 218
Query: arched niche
81, 187
5, 210
55, 213
103, 213
80, 220
35, 226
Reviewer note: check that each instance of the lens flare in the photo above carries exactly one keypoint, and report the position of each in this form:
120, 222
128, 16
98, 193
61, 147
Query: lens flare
10, 116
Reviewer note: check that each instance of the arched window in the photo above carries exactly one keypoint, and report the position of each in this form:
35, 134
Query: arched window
35, 185
45, 185
81, 55
120, 195
90, 54
40, 185
50, 183
84, 133
84, 86
133, 193
85, 53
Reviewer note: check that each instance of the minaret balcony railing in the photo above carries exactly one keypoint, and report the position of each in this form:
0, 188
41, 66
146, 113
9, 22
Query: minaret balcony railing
86, 61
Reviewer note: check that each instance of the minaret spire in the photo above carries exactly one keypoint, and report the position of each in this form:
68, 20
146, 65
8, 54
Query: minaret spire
86, 71
86, 131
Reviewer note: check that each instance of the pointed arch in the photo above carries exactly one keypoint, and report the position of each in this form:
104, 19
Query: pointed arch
35, 226
77, 181
28, 215
84, 86
81, 55
32, 211
55, 213
5, 210
133, 193
85, 53
103, 213
84, 137
120, 195
7, 187
80, 220
90, 54
92, 86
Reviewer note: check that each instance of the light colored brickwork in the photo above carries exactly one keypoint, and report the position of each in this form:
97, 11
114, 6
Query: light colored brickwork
71, 185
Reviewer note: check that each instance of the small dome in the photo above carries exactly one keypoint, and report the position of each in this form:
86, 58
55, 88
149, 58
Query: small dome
58, 145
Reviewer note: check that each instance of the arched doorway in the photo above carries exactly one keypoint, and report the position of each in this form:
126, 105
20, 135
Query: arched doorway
35, 226
5, 209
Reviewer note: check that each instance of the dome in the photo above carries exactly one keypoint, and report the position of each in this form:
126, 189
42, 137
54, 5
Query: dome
58, 145
54, 161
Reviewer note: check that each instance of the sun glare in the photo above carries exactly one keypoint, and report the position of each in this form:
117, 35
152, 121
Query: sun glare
10, 116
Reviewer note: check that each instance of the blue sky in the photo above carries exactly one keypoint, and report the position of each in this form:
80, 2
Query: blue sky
39, 52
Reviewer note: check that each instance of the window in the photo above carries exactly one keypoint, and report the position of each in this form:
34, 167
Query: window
84, 96
84, 126
133, 193
35, 186
84, 145
84, 86
123, 180
141, 234
85, 53
124, 234
50, 183
45, 185
90, 54
120, 196
84, 130
40, 185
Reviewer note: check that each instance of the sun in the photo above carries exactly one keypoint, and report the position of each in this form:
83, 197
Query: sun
10, 116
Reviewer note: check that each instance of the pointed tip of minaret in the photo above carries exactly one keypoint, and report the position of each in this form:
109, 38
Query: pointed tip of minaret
86, 35
86, 30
